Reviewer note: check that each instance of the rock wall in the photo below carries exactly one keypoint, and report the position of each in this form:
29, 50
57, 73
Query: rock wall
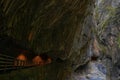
102, 52
85, 31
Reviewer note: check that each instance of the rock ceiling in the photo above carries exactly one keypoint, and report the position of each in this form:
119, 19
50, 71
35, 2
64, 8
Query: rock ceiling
42, 25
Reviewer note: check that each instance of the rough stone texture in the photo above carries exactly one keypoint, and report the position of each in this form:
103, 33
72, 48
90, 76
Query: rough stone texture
104, 44
108, 35
93, 71
46, 26
83, 35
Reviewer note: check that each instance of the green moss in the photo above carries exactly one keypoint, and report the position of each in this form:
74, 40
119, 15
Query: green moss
103, 48
110, 8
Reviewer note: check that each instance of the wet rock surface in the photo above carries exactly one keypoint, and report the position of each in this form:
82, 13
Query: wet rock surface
95, 70
82, 36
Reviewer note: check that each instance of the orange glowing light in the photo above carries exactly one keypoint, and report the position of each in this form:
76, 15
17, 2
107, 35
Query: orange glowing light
38, 60
21, 57
21, 60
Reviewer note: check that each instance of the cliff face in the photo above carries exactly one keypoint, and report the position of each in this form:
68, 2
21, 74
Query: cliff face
81, 36
109, 32
103, 49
